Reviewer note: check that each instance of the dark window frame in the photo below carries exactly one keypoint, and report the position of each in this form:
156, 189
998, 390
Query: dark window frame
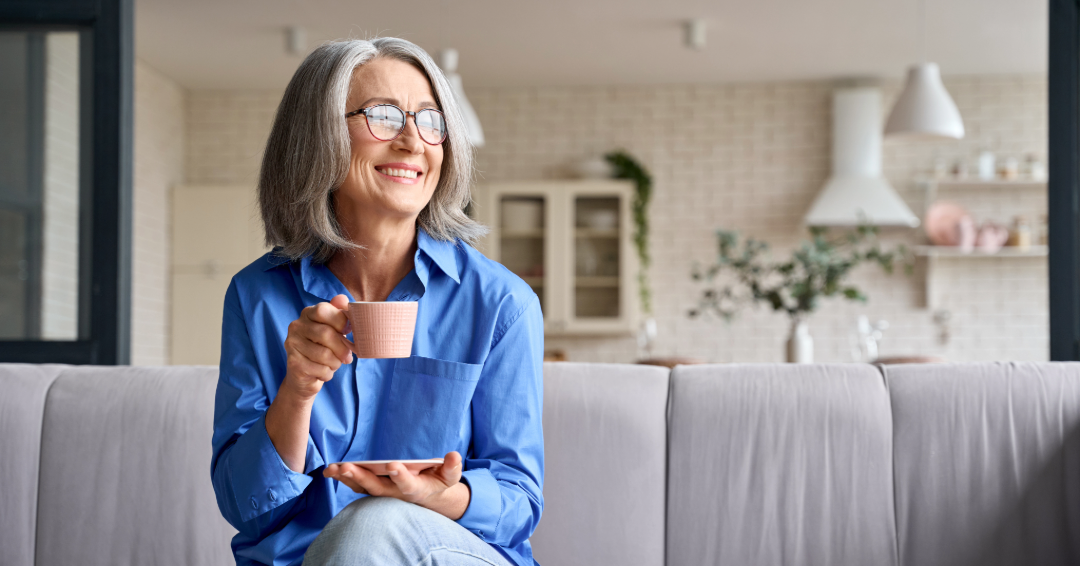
106, 112
1063, 190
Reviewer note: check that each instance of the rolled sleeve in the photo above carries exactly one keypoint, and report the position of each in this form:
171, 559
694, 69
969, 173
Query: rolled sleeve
265, 481
485, 503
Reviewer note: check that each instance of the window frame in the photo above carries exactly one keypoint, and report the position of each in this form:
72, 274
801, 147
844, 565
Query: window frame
106, 109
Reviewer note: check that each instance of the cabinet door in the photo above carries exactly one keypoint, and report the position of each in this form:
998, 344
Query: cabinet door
520, 216
603, 268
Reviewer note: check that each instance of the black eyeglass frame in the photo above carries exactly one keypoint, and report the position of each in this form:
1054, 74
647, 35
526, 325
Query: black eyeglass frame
404, 122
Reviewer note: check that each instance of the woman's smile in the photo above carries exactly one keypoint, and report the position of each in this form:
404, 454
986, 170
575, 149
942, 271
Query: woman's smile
401, 172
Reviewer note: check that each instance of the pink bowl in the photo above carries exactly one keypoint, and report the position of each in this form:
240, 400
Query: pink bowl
383, 329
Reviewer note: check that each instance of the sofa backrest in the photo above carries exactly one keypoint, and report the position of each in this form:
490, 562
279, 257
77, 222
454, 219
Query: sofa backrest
125, 469
987, 460
605, 443
780, 464
22, 406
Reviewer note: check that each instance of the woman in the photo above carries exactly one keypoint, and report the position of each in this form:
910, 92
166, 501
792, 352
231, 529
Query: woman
363, 184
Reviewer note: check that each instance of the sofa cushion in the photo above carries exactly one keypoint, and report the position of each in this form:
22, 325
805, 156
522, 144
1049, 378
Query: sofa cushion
987, 463
22, 406
125, 469
780, 464
604, 440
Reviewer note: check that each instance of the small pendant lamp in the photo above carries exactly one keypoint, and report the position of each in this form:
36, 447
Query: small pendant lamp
448, 60
924, 108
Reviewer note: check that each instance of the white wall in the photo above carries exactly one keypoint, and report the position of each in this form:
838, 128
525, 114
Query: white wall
159, 165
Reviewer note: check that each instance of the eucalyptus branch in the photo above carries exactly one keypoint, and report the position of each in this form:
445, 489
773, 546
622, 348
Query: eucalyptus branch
817, 268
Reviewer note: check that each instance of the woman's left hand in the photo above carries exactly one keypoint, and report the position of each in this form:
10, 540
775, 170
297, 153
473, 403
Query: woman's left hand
438, 488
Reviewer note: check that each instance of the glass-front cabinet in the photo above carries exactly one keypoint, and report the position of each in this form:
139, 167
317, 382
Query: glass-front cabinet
571, 242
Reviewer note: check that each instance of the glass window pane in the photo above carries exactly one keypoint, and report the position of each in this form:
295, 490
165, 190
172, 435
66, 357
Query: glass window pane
39, 185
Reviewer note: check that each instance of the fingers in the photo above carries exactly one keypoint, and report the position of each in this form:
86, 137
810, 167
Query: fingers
450, 470
359, 480
405, 481
316, 326
328, 314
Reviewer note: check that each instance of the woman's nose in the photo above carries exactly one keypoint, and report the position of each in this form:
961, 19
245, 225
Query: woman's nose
410, 136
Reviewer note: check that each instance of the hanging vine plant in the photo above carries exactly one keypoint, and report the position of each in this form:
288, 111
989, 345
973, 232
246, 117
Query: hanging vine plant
626, 167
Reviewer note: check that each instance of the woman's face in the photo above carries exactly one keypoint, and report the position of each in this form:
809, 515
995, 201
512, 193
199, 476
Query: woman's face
388, 179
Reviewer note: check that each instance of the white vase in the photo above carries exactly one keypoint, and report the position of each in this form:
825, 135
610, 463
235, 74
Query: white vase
800, 346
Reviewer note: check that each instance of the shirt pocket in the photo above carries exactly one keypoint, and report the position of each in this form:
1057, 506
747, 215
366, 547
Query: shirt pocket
428, 413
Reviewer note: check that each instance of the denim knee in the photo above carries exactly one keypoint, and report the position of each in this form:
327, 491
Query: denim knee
372, 530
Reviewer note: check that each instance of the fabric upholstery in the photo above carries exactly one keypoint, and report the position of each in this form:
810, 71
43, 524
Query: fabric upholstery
780, 464
604, 440
22, 405
987, 463
125, 469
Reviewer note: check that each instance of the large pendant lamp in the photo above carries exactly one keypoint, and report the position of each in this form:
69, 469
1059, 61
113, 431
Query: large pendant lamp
448, 60
924, 108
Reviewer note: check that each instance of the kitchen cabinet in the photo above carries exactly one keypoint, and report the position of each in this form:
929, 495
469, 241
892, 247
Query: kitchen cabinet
571, 241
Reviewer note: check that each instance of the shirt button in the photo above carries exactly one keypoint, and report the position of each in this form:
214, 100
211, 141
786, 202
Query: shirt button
270, 494
254, 504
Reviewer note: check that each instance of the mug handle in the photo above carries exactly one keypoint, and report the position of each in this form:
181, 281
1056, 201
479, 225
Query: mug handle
346, 330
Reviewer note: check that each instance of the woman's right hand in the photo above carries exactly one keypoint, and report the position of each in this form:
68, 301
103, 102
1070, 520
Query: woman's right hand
316, 347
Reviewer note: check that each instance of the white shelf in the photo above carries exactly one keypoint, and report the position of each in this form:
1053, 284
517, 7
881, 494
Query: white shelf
508, 234
950, 251
595, 281
594, 233
990, 184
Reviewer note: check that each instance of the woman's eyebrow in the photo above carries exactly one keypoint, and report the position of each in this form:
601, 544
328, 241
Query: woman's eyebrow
394, 101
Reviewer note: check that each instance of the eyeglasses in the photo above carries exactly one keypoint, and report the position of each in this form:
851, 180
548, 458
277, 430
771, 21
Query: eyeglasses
386, 122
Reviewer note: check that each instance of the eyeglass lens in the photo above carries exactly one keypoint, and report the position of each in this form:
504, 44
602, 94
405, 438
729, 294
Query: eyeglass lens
386, 122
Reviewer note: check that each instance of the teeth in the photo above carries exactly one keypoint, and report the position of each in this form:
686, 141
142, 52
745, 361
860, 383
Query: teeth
405, 173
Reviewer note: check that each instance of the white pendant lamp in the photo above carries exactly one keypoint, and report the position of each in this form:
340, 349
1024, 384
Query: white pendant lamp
924, 108
448, 60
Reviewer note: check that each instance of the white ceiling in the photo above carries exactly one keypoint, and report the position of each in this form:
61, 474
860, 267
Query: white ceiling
240, 44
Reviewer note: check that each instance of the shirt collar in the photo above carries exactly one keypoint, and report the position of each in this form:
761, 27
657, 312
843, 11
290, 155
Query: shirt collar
321, 282
442, 253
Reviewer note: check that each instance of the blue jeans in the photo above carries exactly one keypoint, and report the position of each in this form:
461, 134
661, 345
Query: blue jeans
385, 531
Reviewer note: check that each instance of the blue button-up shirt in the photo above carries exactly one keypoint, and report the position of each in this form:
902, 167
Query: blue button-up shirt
473, 384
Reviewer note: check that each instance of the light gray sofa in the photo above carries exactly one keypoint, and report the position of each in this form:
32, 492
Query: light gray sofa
704, 465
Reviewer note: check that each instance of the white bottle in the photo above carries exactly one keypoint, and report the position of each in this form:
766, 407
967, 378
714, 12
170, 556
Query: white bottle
986, 165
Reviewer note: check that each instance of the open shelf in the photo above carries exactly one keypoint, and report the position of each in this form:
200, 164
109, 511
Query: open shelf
612, 233
962, 184
951, 251
538, 233
596, 281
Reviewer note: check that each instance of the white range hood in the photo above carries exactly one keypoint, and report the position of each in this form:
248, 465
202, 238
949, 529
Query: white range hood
857, 192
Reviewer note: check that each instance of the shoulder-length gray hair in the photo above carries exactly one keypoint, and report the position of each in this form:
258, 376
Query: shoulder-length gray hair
308, 153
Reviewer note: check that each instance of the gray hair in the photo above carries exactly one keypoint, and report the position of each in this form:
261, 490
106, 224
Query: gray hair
308, 153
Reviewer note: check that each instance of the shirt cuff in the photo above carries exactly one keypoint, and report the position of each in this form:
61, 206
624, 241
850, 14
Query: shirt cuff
260, 479
485, 504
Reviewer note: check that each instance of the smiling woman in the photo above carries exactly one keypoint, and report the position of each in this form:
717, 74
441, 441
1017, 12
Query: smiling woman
364, 181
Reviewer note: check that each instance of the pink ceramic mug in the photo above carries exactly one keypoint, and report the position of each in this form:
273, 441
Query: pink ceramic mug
382, 329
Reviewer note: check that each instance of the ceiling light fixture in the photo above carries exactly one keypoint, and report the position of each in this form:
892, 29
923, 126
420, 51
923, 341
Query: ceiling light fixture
695, 30
295, 40
924, 108
448, 61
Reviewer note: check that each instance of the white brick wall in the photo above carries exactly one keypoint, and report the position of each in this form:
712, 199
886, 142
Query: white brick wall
749, 157
159, 165
60, 254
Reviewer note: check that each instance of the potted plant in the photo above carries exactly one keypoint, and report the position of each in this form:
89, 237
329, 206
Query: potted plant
816, 269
